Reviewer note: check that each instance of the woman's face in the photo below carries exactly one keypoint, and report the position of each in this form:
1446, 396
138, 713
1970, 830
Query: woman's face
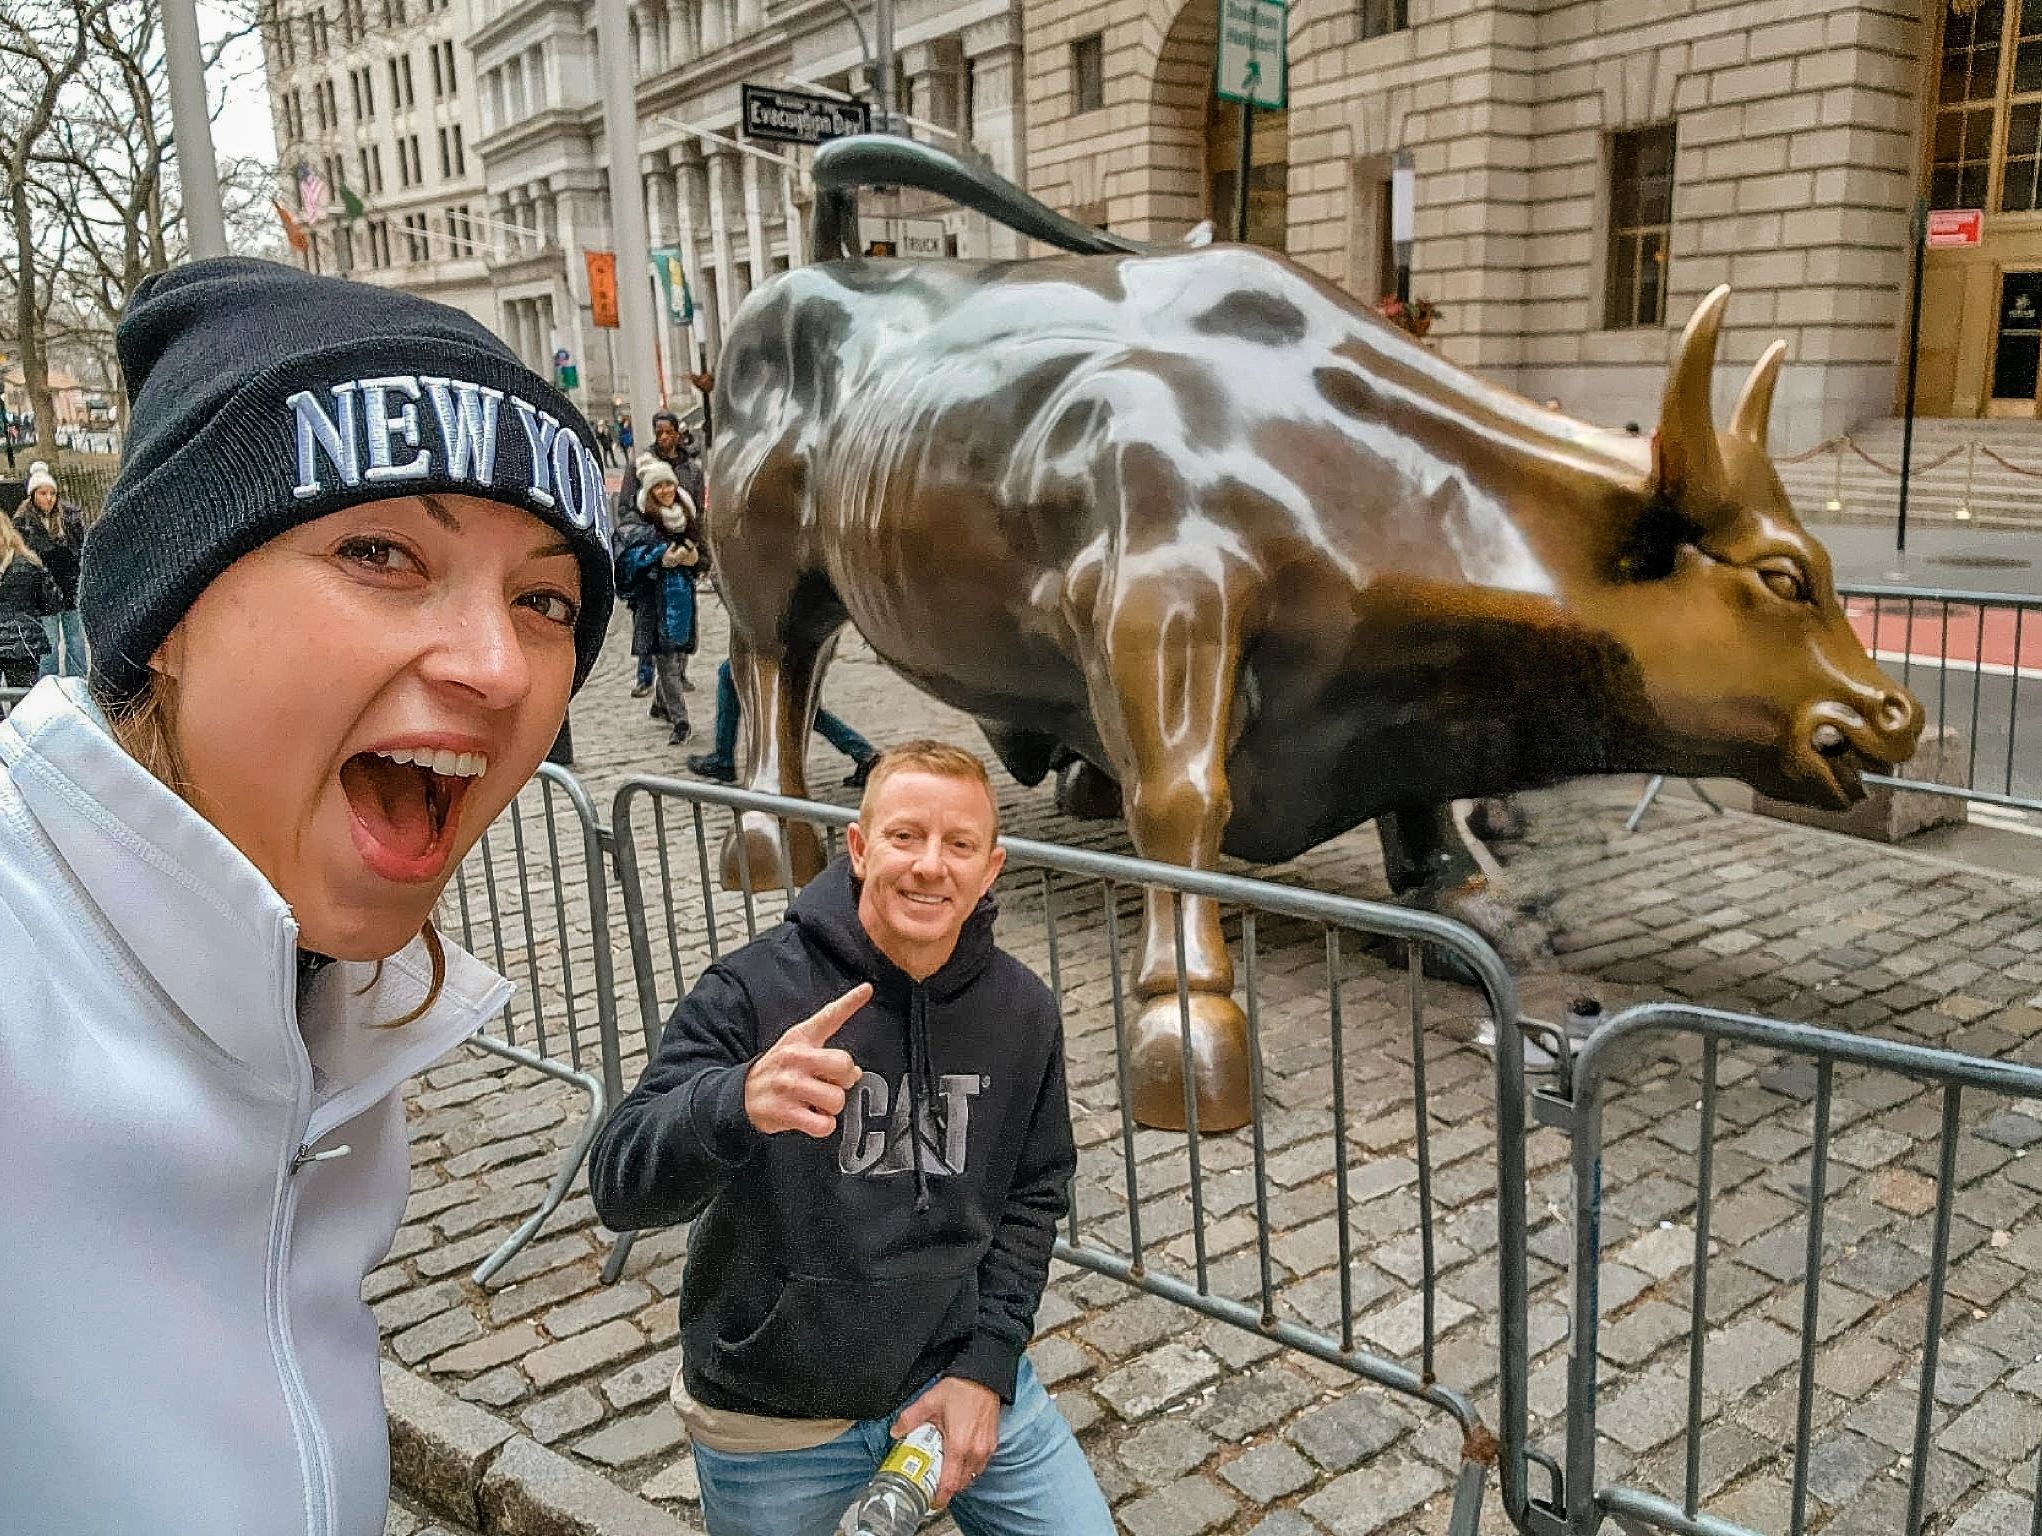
359, 698
44, 497
664, 493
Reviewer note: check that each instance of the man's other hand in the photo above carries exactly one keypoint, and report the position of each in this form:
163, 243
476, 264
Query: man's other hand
968, 1415
799, 1084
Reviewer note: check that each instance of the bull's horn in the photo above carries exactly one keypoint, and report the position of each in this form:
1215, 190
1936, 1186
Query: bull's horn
1754, 411
1690, 461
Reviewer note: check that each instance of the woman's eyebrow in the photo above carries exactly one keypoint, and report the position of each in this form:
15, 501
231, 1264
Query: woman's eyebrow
437, 511
548, 551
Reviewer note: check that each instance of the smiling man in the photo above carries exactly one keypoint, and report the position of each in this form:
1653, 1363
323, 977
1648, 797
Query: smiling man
863, 1112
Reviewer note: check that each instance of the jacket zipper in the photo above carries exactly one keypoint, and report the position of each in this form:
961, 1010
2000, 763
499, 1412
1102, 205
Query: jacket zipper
316, 1464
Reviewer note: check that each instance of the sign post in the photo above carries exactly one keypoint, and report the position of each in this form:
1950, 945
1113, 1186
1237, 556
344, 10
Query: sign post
1943, 227
1253, 71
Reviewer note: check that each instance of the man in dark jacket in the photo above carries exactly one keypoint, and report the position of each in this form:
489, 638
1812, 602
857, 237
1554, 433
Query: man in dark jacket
863, 1113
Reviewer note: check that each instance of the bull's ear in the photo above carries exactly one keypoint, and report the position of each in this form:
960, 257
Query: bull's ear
1755, 406
1686, 456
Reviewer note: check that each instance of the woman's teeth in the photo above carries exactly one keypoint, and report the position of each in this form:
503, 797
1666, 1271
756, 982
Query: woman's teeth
453, 765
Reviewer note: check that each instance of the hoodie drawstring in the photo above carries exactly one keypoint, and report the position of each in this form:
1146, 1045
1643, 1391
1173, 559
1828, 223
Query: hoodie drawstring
922, 1095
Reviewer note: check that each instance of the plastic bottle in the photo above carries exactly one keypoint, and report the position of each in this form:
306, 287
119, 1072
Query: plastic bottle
901, 1491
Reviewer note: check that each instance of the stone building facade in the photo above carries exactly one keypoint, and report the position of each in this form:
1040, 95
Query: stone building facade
1585, 172
378, 98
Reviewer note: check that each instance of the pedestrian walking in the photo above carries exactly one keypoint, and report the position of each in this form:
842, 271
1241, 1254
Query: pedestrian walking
863, 1115
28, 595
720, 761
659, 548
609, 444
55, 530
626, 440
354, 564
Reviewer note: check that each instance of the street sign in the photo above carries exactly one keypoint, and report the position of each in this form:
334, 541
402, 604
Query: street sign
923, 238
1956, 226
1252, 68
797, 117
562, 357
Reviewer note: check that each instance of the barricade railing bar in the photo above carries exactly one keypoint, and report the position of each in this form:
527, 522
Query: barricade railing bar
532, 900
1578, 1503
1974, 660
1150, 1216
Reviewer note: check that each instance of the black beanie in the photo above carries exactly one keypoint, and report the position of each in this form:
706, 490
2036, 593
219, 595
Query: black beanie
262, 397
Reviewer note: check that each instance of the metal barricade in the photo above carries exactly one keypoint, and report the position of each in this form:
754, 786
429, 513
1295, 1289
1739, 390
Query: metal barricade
9, 697
1974, 660
1153, 1216
532, 899
1840, 1254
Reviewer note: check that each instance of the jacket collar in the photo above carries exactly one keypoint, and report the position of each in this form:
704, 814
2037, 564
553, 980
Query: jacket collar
205, 926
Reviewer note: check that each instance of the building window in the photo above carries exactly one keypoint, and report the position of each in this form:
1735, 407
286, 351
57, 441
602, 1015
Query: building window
415, 244
379, 242
1379, 18
1088, 73
1640, 221
315, 34
447, 67
442, 56
393, 13
401, 95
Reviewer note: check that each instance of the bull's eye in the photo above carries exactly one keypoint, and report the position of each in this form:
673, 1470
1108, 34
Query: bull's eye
1786, 581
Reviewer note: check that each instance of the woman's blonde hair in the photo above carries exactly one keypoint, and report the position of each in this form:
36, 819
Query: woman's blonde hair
147, 731
11, 541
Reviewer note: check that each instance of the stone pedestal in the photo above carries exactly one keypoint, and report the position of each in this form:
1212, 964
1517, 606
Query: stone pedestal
1886, 814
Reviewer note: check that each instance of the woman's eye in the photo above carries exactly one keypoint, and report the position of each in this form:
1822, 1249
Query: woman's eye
1789, 586
557, 606
380, 554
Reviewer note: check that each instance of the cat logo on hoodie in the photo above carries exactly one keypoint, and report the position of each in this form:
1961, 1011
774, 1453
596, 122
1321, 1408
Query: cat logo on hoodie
420, 427
876, 1140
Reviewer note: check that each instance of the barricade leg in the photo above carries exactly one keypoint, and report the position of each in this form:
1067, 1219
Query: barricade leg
570, 1165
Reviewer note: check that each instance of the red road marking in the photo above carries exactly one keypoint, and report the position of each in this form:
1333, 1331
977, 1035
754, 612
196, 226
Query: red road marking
1967, 636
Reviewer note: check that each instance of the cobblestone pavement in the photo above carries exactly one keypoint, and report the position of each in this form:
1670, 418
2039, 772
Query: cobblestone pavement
1194, 1426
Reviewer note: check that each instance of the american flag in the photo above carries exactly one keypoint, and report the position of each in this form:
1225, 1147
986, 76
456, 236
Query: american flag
313, 193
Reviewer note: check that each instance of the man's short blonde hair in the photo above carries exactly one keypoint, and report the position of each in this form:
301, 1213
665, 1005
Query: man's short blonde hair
928, 756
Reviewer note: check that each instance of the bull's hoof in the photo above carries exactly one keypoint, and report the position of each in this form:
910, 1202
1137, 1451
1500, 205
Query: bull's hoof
1518, 934
1219, 1064
773, 854
1498, 819
1087, 793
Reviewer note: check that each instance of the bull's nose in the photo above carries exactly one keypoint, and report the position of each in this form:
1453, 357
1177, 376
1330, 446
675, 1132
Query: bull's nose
1898, 714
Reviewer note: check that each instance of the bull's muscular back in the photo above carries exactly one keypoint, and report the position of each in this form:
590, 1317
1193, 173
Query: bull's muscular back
973, 454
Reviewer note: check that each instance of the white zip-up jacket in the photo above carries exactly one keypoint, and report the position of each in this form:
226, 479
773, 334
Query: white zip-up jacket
184, 1350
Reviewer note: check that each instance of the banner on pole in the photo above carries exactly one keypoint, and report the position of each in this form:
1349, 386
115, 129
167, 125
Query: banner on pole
602, 286
673, 278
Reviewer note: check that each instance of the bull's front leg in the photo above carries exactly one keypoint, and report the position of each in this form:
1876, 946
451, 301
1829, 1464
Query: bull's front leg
1163, 684
778, 692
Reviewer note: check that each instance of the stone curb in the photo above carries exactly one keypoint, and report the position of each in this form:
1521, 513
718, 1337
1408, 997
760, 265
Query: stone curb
468, 1464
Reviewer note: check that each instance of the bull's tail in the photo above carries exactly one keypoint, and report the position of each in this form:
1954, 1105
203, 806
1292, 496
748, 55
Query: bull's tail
842, 166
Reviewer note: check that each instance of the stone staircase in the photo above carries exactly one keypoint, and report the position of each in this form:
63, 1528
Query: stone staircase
1962, 474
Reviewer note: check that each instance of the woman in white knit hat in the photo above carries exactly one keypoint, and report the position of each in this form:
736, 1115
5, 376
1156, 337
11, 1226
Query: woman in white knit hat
55, 530
658, 552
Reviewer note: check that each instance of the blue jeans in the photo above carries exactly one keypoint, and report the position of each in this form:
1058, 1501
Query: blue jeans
827, 726
66, 655
1037, 1484
645, 671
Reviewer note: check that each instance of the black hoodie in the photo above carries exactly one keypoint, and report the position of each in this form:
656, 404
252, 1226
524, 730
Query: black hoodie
831, 1278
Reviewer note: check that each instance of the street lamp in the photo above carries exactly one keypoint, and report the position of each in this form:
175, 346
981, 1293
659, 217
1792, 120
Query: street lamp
1403, 217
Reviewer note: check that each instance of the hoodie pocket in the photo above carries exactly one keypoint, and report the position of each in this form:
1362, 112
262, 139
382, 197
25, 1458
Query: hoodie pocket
849, 1349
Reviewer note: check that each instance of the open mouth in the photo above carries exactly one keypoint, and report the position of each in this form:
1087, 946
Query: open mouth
404, 805
1841, 759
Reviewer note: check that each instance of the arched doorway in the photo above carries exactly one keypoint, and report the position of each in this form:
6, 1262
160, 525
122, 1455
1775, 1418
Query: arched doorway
1268, 174
1197, 139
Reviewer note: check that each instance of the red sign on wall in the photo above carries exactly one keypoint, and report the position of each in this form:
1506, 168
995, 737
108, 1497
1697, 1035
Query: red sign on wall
1956, 226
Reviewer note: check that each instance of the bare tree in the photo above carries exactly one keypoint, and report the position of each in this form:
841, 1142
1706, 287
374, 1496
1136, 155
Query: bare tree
41, 53
100, 188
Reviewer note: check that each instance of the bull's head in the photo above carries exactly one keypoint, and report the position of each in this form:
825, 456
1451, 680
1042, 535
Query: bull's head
1748, 662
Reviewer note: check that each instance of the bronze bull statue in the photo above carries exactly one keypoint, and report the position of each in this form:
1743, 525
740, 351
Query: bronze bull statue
1260, 563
